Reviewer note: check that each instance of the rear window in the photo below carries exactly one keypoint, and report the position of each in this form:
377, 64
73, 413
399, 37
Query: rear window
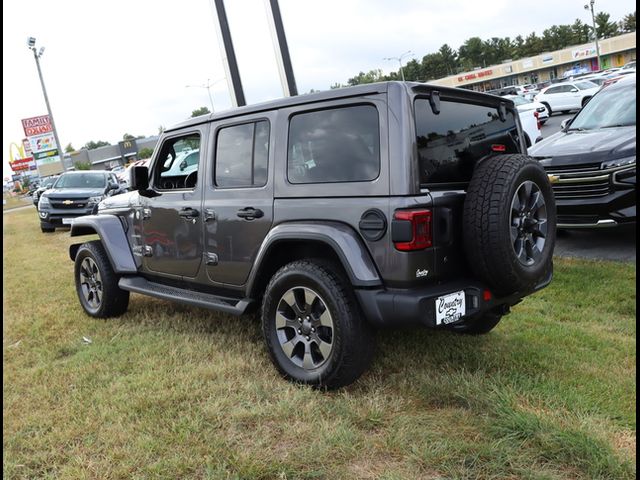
586, 85
451, 142
336, 145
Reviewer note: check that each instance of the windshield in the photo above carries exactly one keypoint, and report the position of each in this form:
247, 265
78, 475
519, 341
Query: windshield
49, 182
586, 85
520, 100
82, 180
609, 108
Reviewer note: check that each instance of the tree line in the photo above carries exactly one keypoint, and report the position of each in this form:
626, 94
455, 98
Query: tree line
475, 52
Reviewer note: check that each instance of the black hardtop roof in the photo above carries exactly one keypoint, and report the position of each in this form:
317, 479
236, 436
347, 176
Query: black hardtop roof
338, 93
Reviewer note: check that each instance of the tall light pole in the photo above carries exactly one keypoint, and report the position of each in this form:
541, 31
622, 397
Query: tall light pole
399, 59
208, 86
31, 43
589, 6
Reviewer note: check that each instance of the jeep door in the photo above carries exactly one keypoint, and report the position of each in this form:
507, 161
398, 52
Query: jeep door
238, 197
171, 220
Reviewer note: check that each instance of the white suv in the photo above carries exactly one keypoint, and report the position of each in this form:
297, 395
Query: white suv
566, 96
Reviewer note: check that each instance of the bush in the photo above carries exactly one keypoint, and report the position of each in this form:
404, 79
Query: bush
145, 153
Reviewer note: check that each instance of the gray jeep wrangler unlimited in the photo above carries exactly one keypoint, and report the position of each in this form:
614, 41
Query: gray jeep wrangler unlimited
334, 214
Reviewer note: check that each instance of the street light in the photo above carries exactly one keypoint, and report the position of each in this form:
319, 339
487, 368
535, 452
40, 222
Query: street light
31, 43
208, 86
595, 32
399, 59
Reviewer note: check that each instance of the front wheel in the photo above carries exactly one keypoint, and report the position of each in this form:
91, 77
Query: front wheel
313, 327
97, 283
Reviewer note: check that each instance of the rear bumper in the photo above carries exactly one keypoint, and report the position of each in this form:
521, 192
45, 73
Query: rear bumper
396, 308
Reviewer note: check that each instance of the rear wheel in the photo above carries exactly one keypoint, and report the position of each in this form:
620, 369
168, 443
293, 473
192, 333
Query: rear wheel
509, 225
97, 283
313, 327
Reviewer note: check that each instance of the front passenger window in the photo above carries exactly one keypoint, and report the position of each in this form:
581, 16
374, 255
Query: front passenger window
177, 165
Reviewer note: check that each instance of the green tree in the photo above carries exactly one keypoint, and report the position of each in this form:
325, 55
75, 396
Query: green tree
82, 165
93, 145
449, 59
370, 77
579, 32
605, 27
200, 111
471, 53
128, 136
69, 148
628, 23
145, 153
433, 66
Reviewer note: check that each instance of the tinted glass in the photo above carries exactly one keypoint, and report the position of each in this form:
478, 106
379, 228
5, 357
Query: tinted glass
450, 143
553, 90
82, 180
172, 167
337, 145
609, 108
242, 153
586, 85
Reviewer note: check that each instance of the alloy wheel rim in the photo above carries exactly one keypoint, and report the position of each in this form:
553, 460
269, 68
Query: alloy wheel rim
304, 327
528, 227
91, 283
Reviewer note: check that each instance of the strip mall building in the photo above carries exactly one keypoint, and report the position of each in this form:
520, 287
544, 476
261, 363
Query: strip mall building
614, 52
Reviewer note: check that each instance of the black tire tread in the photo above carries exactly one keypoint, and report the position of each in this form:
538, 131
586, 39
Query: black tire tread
488, 254
357, 335
115, 301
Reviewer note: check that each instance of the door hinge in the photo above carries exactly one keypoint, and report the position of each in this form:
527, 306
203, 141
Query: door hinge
147, 251
211, 259
146, 213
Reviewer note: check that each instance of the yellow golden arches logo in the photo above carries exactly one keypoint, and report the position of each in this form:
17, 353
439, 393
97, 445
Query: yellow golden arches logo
14, 148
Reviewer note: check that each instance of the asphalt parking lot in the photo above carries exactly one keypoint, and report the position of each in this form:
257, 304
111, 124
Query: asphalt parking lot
604, 244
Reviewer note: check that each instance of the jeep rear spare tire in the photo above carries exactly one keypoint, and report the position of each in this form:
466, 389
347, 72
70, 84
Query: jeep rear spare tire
509, 223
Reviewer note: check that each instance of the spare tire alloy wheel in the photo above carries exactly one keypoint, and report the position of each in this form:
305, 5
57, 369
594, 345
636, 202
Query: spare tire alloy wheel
304, 328
528, 223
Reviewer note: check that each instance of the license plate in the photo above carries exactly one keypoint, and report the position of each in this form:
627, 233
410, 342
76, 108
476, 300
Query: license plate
449, 308
67, 221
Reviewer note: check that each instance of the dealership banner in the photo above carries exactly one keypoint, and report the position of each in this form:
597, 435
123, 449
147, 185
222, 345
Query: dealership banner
42, 144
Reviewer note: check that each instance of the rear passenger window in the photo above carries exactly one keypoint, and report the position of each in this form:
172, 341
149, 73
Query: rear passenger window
337, 145
242, 153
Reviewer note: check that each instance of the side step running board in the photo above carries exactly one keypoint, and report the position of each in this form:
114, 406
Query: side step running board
190, 297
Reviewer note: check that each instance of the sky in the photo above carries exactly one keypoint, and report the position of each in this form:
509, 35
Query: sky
119, 67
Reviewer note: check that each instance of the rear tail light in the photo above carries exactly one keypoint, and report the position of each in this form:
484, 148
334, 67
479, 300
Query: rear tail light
497, 147
537, 115
411, 230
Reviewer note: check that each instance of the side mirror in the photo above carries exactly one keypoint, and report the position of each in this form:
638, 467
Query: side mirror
183, 165
565, 123
113, 186
574, 90
139, 178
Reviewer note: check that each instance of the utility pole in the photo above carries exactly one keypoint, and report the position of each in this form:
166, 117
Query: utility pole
399, 59
595, 31
31, 42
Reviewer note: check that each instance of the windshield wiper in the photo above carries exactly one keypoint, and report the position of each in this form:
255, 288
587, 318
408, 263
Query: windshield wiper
619, 125
576, 129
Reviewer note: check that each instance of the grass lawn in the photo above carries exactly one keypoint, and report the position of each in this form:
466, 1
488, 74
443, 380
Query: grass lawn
169, 391
14, 202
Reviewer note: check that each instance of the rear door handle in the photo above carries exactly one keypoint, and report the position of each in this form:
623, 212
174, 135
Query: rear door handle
250, 213
188, 213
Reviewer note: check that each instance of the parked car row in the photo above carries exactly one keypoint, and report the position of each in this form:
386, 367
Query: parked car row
591, 162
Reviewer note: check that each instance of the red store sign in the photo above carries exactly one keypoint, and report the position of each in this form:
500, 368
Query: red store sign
474, 75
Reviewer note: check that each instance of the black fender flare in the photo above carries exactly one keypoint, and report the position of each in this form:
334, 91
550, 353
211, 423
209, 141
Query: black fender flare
113, 236
344, 241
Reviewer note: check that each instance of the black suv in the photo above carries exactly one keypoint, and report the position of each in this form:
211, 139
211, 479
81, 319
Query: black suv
74, 194
592, 160
333, 214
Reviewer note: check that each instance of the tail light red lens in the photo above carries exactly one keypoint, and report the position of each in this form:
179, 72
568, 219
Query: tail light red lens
420, 226
496, 147
537, 115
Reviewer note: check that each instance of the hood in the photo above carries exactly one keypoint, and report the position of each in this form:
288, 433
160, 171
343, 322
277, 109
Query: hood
57, 193
587, 146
